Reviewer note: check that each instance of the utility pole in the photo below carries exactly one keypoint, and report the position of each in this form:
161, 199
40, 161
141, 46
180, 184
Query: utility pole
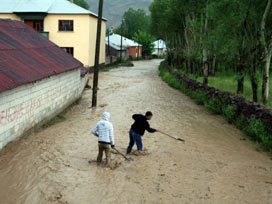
97, 53
108, 44
138, 48
158, 48
121, 41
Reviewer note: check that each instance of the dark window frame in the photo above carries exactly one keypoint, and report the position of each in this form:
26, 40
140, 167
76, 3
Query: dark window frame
66, 25
69, 50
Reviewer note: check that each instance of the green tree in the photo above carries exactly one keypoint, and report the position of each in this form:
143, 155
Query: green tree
82, 3
146, 40
133, 21
266, 42
203, 36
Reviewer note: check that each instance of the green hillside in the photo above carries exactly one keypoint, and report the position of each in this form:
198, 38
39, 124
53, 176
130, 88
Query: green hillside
114, 9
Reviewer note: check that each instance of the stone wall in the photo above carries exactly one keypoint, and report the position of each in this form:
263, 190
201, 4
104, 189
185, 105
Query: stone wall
25, 106
245, 107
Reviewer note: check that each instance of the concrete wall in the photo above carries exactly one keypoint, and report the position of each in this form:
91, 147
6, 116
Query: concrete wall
24, 107
114, 54
9, 16
82, 39
133, 51
92, 42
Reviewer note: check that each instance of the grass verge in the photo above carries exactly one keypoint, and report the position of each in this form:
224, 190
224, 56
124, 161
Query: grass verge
254, 128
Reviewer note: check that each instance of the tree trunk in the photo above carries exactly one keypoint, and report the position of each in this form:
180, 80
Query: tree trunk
254, 86
205, 67
189, 66
213, 66
265, 85
205, 52
254, 83
193, 67
240, 87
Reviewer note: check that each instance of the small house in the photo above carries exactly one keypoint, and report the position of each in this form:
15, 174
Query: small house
113, 52
66, 24
38, 79
159, 48
134, 48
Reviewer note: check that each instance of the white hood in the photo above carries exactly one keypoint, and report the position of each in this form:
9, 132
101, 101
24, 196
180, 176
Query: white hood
106, 116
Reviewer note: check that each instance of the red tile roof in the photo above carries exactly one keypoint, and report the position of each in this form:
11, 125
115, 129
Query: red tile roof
26, 56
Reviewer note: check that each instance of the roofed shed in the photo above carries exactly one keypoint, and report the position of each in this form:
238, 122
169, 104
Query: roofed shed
37, 79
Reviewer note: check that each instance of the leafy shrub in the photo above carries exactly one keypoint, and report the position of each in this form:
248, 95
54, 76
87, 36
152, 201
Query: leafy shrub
139, 58
200, 97
255, 128
128, 63
240, 122
213, 106
229, 112
170, 79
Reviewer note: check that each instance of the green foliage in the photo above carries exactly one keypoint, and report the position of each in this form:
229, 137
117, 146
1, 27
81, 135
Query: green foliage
159, 17
226, 33
82, 3
124, 62
146, 40
128, 64
240, 122
134, 21
113, 10
226, 81
200, 97
170, 79
256, 129
229, 112
253, 127
138, 58
106, 69
213, 106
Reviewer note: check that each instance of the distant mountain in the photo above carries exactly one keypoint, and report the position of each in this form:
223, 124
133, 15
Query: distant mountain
113, 10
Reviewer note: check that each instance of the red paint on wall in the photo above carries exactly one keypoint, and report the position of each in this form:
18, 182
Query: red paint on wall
27, 109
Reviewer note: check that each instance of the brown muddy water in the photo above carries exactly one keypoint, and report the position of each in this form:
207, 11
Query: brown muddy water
212, 166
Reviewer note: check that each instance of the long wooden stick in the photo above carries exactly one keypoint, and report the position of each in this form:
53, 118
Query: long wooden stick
128, 159
171, 136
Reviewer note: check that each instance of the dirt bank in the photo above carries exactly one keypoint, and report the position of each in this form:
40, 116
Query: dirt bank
213, 166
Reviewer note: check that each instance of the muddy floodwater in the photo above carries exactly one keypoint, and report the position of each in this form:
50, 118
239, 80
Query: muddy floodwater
214, 165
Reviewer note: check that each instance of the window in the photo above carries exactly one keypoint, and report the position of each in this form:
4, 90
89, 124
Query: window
66, 25
69, 50
35, 24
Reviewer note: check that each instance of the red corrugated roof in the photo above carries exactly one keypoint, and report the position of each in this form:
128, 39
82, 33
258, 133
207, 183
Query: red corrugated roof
26, 56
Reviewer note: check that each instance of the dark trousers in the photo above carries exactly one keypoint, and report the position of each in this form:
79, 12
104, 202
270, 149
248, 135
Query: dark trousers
134, 138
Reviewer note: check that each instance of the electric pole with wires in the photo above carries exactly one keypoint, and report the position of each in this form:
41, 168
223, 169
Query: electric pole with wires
97, 53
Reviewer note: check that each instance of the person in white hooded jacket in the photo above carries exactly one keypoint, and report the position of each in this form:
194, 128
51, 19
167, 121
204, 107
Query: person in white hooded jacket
104, 131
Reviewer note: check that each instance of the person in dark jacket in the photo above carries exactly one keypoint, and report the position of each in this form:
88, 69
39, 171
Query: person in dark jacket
137, 130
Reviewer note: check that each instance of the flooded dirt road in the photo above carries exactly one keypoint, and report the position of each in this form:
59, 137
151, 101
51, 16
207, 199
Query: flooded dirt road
213, 166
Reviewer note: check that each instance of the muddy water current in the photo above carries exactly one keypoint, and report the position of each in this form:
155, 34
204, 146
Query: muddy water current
213, 166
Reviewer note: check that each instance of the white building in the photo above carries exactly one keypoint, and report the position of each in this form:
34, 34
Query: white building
159, 48
38, 79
